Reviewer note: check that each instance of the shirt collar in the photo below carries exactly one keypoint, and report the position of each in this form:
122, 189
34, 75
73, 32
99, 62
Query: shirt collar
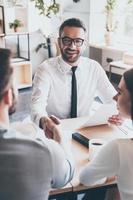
64, 67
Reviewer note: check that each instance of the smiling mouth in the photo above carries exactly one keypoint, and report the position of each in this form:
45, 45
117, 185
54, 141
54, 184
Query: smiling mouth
71, 52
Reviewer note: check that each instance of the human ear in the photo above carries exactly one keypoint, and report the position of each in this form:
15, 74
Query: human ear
8, 97
59, 42
86, 43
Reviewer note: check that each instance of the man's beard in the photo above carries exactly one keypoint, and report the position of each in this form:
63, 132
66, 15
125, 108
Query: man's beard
12, 108
66, 57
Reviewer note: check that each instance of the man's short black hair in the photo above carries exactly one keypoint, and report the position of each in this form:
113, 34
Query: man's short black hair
6, 70
72, 22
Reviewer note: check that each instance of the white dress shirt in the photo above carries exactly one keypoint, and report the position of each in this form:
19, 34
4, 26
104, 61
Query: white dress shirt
52, 88
29, 167
114, 159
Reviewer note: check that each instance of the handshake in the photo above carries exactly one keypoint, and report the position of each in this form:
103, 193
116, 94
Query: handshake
51, 127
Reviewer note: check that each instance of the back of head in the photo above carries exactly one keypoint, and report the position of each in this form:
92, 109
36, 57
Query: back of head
72, 22
128, 78
25, 170
5, 70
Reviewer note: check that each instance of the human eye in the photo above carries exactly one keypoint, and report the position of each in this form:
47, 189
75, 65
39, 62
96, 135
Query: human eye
66, 40
79, 41
119, 93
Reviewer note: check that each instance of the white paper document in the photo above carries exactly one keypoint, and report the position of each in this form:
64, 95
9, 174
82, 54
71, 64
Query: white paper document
101, 115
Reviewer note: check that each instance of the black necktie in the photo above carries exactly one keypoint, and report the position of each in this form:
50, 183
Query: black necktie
74, 94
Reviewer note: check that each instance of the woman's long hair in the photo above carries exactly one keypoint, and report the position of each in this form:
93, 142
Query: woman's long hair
128, 78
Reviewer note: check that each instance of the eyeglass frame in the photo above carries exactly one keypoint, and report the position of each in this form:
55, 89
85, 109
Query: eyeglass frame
72, 41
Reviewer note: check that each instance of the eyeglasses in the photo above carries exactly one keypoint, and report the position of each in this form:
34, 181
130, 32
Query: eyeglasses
78, 42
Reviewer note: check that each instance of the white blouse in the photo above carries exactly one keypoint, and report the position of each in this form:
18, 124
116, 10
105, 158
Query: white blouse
114, 159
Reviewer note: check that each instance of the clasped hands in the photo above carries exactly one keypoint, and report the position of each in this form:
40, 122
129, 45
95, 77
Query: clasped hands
51, 127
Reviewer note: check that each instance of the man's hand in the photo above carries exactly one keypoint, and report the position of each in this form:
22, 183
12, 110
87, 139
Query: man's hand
116, 120
51, 127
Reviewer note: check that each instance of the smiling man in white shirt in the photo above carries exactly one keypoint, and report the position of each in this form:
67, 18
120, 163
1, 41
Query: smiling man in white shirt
52, 82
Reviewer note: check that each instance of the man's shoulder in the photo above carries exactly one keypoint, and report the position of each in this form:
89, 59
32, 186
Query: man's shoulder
48, 65
11, 133
17, 139
15, 135
17, 142
49, 62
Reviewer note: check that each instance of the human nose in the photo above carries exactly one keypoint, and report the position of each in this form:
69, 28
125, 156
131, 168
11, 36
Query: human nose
73, 45
115, 97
